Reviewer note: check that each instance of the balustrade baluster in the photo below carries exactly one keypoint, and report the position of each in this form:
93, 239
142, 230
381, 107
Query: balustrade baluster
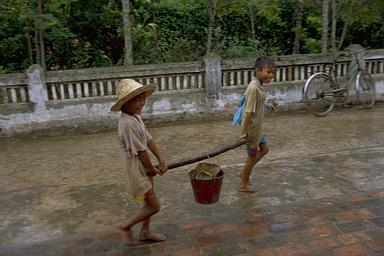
178, 86
245, 82
109, 86
381, 66
2, 95
238, 77
171, 85
5, 95
370, 67
375, 65
336, 70
62, 91
296, 73
23, 94
312, 70
201, 80
193, 81
101, 87
79, 94
185, 82
277, 75
163, 85
289, 73
231, 78
70, 91
94, 89
302, 73
284, 74
344, 69
13, 95
86, 90
225, 78
53, 91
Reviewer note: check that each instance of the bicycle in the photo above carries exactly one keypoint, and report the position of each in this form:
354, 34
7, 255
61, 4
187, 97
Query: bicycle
321, 91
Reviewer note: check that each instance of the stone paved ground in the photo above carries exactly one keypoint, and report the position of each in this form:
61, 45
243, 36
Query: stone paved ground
347, 225
321, 192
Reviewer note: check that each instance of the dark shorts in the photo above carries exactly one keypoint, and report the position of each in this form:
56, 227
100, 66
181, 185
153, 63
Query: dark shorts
252, 152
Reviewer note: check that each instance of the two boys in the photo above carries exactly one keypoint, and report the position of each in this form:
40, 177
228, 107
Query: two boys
136, 142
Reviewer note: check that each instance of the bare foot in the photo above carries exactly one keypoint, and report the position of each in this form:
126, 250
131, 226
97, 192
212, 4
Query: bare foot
152, 237
127, 234
247, 189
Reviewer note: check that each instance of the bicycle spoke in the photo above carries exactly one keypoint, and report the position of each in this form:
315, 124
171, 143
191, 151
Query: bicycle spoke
319, 94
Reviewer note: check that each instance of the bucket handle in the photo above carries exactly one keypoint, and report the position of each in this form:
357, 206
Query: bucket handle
207, 154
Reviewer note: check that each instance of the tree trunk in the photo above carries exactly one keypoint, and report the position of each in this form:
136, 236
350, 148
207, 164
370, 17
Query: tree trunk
41, 35
324, 27
29, 43
211, 20
333, 26
36, 40
128, 56
345, 27
252, 19
42, 50
299, 24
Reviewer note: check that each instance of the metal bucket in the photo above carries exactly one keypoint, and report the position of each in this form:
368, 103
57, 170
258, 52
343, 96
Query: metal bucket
206, 180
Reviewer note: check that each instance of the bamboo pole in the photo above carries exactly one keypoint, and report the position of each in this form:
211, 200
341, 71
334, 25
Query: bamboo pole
211, 153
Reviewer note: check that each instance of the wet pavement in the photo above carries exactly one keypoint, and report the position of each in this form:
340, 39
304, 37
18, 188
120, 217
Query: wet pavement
321, 191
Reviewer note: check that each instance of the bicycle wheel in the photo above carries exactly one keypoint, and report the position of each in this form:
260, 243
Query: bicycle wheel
318, 94
365, 89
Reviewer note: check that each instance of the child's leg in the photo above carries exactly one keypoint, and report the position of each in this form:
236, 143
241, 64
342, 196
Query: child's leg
150, 207
246, 173
145, 233
262, 152
254, 156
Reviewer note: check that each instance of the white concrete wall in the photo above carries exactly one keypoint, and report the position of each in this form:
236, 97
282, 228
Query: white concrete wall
160, 107
187, 98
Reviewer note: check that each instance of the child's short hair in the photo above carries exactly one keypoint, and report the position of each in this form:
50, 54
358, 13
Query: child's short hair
264, 61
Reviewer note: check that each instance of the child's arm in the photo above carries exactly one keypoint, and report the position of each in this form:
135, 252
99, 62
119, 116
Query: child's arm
244, 130
146, 161
162, 166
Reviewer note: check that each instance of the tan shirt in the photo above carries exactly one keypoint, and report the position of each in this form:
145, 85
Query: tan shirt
254, 104
133, 137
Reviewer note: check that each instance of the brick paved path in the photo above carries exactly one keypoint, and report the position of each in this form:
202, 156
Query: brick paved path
351, 225
321, 192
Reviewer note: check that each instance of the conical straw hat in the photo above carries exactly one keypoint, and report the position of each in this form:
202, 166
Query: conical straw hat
127, 89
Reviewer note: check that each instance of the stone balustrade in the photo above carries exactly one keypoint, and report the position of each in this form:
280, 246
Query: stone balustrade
186, 90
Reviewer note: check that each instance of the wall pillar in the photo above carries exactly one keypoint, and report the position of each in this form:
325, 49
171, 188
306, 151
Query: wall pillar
213, 76
37, 88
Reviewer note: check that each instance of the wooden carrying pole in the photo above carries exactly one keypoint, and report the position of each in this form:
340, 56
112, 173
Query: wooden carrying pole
205, 155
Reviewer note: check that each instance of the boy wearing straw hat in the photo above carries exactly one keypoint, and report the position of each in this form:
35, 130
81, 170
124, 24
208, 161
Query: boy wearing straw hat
135, 141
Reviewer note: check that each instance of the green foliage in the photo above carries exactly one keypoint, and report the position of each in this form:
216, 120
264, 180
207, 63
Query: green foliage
312, 45
269, 10
89, 33
250, 48
2, 71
